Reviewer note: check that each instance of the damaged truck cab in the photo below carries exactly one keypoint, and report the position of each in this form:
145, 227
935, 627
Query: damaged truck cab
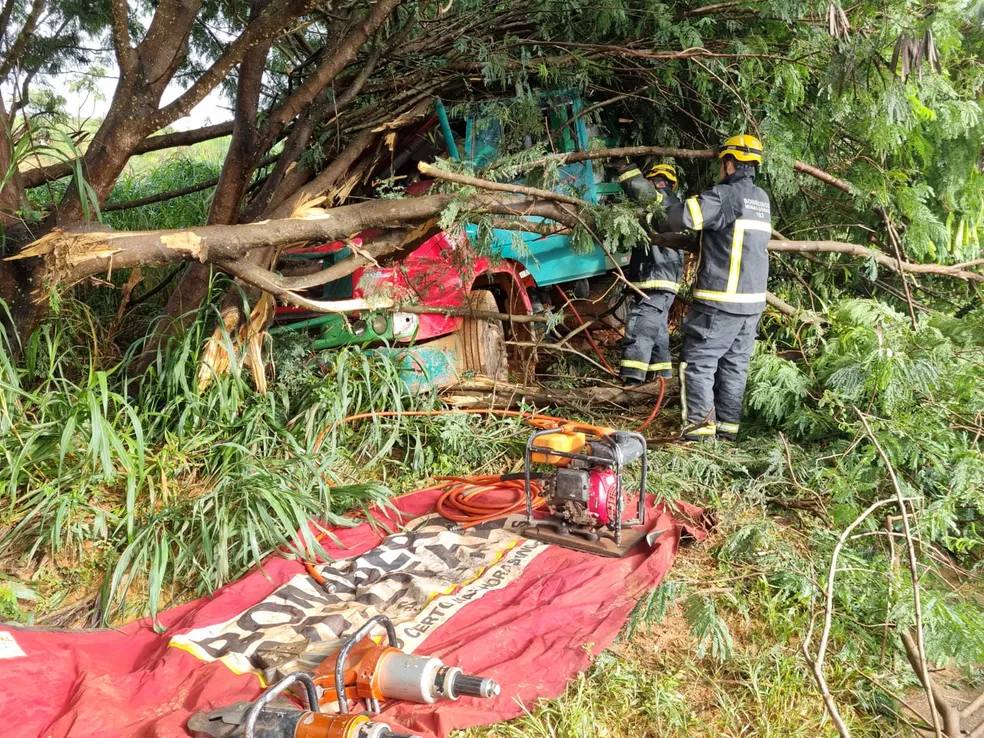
516, 273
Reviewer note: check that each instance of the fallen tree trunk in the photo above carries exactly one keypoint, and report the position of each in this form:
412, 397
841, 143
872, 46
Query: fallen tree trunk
71, 257
487, 393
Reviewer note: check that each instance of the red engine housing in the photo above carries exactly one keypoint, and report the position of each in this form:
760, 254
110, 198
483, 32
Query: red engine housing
602, 499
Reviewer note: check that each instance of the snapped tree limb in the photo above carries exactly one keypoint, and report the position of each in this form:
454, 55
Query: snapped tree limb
72, 256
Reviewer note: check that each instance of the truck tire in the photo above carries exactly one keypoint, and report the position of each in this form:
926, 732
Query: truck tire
483, 341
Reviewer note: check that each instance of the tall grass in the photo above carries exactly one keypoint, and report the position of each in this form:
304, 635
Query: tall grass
169, 174
175, 493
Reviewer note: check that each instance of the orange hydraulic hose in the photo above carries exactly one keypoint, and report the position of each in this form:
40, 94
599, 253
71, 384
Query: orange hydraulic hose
313, 573
459, 502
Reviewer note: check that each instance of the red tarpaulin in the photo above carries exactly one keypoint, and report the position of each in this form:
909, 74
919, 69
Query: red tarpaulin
529, 615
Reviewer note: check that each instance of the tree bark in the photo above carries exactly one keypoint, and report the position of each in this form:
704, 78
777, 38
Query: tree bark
150, 68
244, 153
18, 281
343, 55
71, 257
479, 393
12, 196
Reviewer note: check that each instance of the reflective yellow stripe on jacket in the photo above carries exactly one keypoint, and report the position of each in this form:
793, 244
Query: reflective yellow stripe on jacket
726, 297
634, 172
658, 284
644, 367
696, 215
731, 293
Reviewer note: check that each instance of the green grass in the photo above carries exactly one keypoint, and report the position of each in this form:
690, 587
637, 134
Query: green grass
661, 679
170, 172
178, 492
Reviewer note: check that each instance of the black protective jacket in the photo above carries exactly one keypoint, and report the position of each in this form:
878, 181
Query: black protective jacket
734, 222
651, 267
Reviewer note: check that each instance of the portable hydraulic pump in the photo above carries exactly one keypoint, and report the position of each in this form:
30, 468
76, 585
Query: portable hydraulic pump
585, 493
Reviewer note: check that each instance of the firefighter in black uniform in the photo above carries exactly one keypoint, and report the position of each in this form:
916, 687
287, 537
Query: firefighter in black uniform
657, 272
733, 219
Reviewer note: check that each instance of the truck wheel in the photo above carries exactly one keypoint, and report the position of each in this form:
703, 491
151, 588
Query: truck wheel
483, 341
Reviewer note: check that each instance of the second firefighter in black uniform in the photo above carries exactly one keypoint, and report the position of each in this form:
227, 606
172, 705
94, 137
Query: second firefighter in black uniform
657, 272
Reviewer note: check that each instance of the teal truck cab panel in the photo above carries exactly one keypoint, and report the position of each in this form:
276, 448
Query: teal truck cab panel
548, 259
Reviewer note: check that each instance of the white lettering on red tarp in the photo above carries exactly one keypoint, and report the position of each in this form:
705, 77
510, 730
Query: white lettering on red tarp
411, 634
418, 580
9, 648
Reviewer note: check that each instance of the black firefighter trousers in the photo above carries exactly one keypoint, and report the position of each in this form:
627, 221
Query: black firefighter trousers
646, 347
717, 347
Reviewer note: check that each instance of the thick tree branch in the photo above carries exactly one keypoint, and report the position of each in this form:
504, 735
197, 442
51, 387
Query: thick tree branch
288, 175
12, 195
376, 247
165, 45
823, 176
23, 38
431, 171
244, 153
839, 247
675, 153
270, 24
520, 224
40, 175
126, 57
619, 153
343, 55
71, 257
327, 178
269, 282
5, 12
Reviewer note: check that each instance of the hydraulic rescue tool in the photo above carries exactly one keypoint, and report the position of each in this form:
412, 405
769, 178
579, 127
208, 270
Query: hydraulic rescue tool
376, 673
261, 720
585, 494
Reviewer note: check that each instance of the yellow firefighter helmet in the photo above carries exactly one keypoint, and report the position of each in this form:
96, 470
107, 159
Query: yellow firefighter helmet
664, 170
744, 148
